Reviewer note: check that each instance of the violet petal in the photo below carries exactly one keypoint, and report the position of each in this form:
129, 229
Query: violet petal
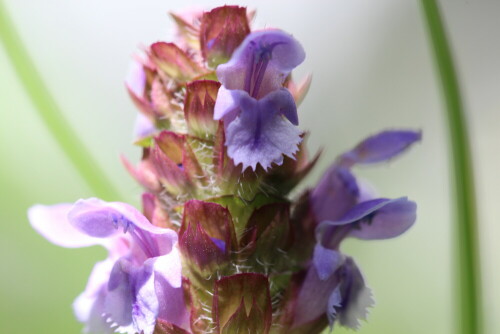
100, 219
389, 221
168, 289
326, 261
382, 146
356, 296
280, 49
334, 302
143, 127
380, 218
336, 193
259, 135
89, 306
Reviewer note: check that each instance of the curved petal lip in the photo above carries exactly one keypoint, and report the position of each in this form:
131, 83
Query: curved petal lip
52, 223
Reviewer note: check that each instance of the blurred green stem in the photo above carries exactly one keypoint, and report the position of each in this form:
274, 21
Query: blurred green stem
50, 112
468, 271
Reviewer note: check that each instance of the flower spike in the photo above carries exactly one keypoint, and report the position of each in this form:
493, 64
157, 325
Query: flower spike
222, 244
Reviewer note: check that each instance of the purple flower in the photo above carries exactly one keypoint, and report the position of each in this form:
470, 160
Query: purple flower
343, 208
260, 115
140, 280
338, 190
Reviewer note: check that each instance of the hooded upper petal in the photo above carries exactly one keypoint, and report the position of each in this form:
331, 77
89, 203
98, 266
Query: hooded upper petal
51, 221
261, 63
336, 193
101, 219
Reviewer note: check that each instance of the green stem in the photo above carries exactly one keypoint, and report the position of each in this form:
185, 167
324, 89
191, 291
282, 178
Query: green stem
50, 112
468, 269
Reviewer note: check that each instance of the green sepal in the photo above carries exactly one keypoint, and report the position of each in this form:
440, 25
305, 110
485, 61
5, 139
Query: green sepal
242, 301
164, 327
241, 210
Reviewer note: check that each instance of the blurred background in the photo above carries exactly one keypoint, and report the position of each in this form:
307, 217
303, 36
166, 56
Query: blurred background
372, 70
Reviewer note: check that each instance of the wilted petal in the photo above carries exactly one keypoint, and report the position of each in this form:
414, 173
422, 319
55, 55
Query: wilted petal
259, 135
261, 63
52, 223
381, 147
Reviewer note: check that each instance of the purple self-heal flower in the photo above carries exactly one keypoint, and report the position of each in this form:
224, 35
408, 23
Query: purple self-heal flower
329, 282
342, 207
141, 279
338, 190
260, 115
343, 293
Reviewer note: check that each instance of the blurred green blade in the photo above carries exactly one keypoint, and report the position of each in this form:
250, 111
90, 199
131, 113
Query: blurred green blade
50, 112
468, 272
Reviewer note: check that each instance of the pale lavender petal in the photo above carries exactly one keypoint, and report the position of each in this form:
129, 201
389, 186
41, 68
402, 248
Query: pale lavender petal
356, 296
143, 127
89, 306
367, 191
101, 219
389, 221
146, 305
336, 193
136, 78
138, 295
120, 297
274, 51
227, 104
52, 223
381, 147
326, 261
168, 286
